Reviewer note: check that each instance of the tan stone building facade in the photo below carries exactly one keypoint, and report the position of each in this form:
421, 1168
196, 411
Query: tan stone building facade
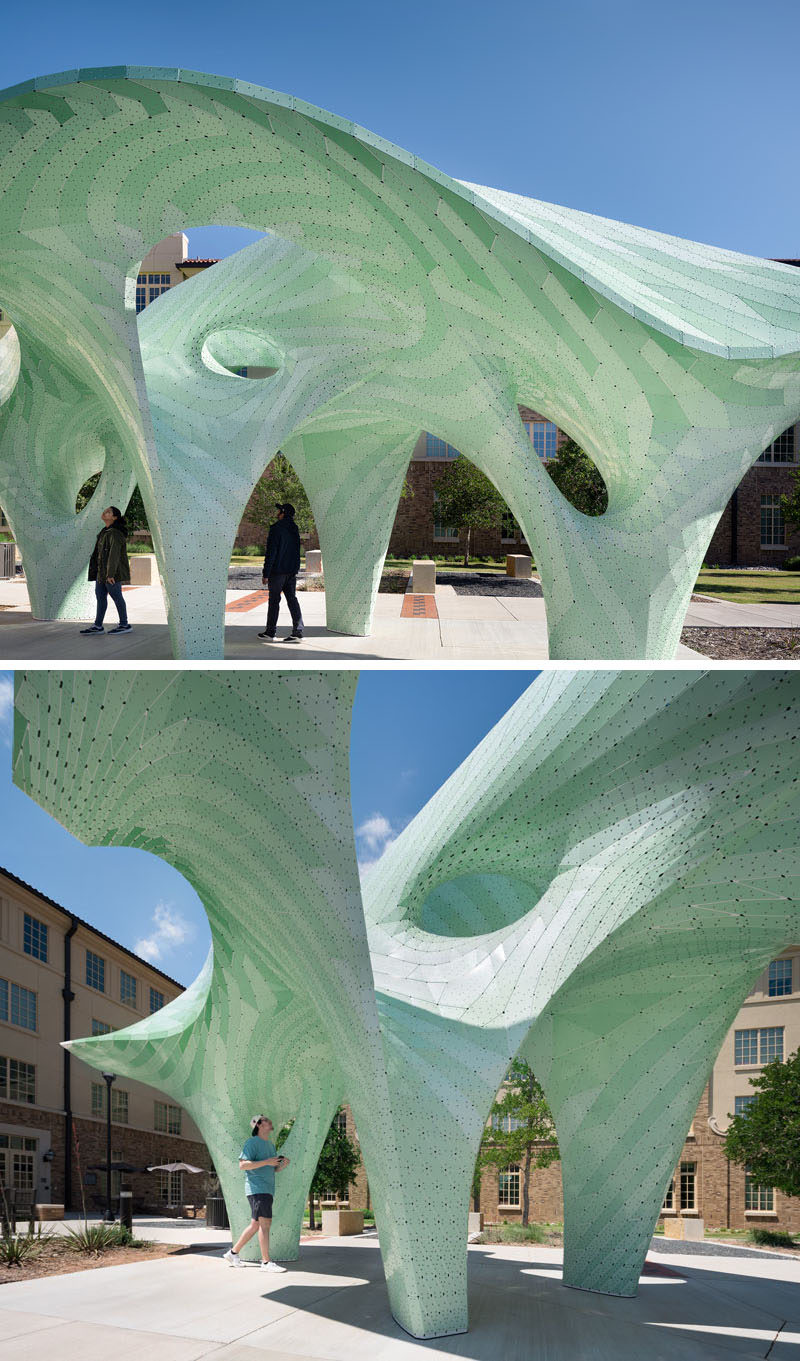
61, 978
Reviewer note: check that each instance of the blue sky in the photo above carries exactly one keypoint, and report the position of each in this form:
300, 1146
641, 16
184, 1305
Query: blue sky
679, 117
410, 731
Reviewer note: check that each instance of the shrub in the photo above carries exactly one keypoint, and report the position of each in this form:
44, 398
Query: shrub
514, 1233
792, 564
16, 1248
772, 1238
97, 1238
252, 551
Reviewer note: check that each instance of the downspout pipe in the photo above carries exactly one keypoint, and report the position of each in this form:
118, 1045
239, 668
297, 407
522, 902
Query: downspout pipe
68, 996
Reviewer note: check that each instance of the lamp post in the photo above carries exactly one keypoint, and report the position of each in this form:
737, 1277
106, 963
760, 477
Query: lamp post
108, 1217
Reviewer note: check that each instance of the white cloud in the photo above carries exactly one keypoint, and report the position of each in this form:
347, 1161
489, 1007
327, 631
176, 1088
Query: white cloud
6, 707
170, 930
372, 838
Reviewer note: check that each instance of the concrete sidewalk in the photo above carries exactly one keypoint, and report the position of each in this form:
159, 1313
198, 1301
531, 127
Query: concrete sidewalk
475, 628
332, 1304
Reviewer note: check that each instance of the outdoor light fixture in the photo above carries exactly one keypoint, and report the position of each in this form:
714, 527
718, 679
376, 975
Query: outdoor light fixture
108, 1217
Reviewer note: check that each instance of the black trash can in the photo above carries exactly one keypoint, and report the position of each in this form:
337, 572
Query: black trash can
216, 1213
126, 1209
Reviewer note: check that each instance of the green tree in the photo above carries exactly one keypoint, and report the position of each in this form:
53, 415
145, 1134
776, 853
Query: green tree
338, 1163
279, 482
135, 514
790, 505
467, 499
578, 479
522, 1129
765, 1137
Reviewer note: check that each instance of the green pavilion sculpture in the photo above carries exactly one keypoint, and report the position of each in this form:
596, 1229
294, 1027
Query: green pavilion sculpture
673, 364
595, 888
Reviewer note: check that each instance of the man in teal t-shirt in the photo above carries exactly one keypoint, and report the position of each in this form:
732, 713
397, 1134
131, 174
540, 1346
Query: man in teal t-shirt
258, 1160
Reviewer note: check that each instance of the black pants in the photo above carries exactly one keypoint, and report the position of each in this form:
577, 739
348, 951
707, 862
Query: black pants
283, 584
104, 589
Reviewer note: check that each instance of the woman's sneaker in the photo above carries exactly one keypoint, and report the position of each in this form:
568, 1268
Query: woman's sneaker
272, 1266
94, 628
122, 628
232, 1258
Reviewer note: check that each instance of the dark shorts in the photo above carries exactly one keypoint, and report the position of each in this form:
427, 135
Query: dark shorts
261, 1205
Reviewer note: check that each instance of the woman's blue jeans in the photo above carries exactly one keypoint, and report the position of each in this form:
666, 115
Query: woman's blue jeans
104, 589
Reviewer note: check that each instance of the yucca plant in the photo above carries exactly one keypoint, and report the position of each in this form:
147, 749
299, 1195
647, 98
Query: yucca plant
16, 1248
98, 1238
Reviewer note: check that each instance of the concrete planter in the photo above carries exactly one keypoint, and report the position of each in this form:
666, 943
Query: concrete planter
340, 1223
475, 1222
518, 565
143, 569
423, 577
49, 1212
687, 1229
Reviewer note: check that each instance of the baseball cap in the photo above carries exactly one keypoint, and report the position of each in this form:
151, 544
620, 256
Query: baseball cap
286, 507
256, 1121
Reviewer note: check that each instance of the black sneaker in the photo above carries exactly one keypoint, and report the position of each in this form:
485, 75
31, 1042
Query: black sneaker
122, 628
94, 628
293, 638
267, 637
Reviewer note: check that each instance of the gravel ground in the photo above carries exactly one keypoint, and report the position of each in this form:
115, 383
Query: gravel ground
488, 583
745, 643
706, 1248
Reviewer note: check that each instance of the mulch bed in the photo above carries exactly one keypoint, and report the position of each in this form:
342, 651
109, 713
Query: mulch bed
745, 644
57, 1258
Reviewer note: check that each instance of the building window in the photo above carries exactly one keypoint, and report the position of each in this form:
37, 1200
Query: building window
156, 1000
17, 1161
100, 1027
740, 1104
745, 1044
758, 1046
17, 1005
773, 529
150, 286
98, 1099
439, 448
95, 971
669, 1198
688, 1177
340, 1121
119, 1106
781, 450
543, 436
506, 1123
442, 531
756, 1196
780, 978
166, 1119
508, 1186
34, 938
772, 1043
171, 1187
17, 1080
127, 988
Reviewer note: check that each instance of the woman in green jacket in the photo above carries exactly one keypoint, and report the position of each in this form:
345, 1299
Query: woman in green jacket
108, 569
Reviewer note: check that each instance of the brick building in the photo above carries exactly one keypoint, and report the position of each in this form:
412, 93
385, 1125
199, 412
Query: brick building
59, 979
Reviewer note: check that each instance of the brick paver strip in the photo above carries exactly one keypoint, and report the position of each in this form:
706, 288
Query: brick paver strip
247, 602
419, 607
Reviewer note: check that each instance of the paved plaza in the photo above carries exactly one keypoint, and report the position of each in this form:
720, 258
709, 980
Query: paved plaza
454, 628
332, 1304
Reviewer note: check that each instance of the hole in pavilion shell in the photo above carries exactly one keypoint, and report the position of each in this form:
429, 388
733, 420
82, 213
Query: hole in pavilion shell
475, 904
86, 492
241, 354
568, 465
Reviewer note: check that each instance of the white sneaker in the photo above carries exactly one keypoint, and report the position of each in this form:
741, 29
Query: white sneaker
232, 1258
272, 1266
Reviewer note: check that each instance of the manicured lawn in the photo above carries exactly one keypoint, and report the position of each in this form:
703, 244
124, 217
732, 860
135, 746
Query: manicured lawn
751, 588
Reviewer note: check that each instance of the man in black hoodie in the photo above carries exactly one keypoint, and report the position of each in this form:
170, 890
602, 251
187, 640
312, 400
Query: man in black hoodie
279, 573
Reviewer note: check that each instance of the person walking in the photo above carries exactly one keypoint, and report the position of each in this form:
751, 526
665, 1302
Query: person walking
108, 569
258, 1160
279, 573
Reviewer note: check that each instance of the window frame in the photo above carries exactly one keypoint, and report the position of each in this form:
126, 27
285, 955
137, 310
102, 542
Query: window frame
505, 1176
7, 1092
779, 972
34, 937
775, 521
91, 968
128, 988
